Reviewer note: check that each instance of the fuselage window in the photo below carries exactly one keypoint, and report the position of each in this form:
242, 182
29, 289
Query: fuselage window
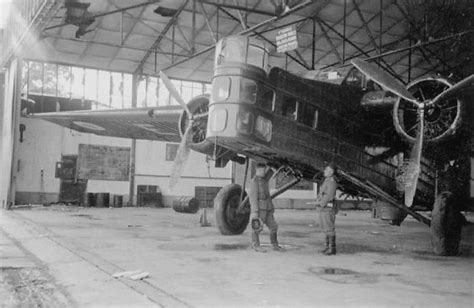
308, 115
220, 88
248, 90
316, 115
267, 100
289, 107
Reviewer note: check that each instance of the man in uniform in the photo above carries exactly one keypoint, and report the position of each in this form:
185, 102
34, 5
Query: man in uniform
327, 210
262, 208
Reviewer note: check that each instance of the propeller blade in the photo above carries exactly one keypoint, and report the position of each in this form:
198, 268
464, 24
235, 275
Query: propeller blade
466, 82
181, 157
415, 160
171, 88
383, 79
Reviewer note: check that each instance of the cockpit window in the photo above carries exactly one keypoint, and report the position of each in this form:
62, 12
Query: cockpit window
354, 78
221, 88
243, 50
232, 51
256, 56
248, 90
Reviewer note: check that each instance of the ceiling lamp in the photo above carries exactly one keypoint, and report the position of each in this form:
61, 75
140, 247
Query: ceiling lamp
77, 14
165, 12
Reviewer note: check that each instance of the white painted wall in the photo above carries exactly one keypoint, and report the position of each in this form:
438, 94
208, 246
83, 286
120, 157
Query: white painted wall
44, 143
151, 168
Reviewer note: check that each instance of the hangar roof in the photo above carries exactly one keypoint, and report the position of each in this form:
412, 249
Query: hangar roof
178, 36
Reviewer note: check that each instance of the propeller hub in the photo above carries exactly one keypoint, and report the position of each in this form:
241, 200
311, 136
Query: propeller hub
432, 114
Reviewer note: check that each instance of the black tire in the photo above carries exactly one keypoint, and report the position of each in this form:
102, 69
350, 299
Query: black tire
446, 225
228, 221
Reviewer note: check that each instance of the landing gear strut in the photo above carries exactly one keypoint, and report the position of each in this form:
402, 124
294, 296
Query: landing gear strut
232, 207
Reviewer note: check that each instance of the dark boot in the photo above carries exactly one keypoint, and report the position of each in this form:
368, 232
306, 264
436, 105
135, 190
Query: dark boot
332, 246
274, 241
326, 247
256, 243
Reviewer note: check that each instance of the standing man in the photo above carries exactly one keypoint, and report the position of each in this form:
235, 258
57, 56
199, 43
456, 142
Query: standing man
262, 208
327, 211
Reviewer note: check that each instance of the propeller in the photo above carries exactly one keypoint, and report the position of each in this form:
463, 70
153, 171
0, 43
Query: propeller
415, 161
183, 150
391, 84
466, 82
383, 79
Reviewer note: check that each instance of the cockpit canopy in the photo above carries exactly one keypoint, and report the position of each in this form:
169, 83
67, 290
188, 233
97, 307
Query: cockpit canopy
355, 78
241, 49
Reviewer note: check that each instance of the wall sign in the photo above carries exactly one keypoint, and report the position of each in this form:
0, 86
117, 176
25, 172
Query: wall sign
286, 39
100, 162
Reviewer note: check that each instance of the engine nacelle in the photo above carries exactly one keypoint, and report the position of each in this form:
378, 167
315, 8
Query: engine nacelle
378, 99
199, 107
441, 120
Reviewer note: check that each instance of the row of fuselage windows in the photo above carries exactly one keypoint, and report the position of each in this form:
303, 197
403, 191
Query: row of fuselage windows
290, 108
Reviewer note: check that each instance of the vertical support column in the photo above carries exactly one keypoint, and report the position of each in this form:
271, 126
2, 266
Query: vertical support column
15, 127
380, 26
313, 45
111, 89
193, 37
121, 28
131, 190
174, 40
217, 25
409, 61
344, 33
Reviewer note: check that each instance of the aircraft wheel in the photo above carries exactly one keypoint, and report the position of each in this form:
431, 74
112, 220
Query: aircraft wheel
226, 203
446, 225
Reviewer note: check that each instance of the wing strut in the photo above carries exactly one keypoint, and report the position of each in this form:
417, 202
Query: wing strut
376, 191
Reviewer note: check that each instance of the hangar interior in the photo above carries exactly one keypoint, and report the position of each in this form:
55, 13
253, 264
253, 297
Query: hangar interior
107, 54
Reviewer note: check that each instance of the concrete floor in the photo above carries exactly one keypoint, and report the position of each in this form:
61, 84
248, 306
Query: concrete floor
65, 256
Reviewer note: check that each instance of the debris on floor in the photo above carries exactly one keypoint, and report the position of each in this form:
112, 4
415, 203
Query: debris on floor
134, 275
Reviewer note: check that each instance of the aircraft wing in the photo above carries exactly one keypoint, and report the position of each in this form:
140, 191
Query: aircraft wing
153, 123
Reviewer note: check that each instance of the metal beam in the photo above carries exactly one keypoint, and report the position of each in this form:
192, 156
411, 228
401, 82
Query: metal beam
107, 13
251, 29
83, 54
343, 41
386, 67
139, 68
193, 33
328, 39
190, 47
300, 61
364, 23
124, 39
113, 45
150, 27
241, 18
206, 19
216, 13
240, 8
421, 44
418, 29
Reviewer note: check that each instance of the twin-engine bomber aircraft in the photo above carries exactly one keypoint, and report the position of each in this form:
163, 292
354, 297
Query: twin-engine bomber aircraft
297, 125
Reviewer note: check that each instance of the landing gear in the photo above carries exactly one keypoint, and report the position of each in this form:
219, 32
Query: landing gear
232, 208
446, 225
229, 219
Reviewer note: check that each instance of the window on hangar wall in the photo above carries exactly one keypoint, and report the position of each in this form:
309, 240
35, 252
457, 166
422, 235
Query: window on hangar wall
64, 86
